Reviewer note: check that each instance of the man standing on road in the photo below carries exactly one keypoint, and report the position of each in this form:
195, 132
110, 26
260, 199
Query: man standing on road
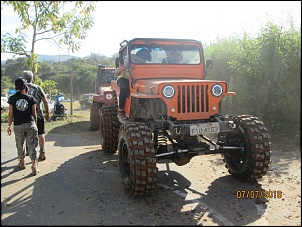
22, 112
36, 91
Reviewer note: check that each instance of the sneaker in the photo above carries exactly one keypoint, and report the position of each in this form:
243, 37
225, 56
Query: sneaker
34, 170
21, 165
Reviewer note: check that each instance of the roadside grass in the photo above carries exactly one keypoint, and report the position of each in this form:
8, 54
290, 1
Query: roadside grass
77, 122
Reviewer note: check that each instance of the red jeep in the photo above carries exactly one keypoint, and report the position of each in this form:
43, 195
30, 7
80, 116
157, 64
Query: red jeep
102, 90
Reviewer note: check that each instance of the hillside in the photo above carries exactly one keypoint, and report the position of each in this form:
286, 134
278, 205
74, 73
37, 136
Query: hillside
54, 58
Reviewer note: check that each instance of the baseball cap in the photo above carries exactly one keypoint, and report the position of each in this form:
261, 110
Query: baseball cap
20, 83
27, 75
144, 54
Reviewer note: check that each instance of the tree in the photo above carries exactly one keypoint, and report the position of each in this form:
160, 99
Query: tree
48, 86
6, 84
48, 21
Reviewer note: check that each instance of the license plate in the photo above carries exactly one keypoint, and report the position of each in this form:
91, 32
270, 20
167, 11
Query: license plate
211, 127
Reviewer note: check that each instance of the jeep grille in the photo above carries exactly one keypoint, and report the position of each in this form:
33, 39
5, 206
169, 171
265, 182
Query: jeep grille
192, 99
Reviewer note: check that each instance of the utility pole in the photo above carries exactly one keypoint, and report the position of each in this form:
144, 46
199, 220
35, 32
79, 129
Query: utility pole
71, 94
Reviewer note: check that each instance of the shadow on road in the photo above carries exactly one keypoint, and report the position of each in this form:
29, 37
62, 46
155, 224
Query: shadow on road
217, 202
226, 197
87, 190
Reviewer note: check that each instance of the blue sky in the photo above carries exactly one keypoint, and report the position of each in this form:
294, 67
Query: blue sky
202, 20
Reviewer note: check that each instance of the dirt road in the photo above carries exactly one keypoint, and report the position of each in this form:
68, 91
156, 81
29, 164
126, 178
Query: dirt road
80, 185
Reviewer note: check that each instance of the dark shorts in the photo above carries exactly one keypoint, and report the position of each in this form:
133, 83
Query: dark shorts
41, 127
123, 83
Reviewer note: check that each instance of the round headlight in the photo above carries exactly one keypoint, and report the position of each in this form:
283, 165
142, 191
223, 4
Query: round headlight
168, 91
217, 90
108, 96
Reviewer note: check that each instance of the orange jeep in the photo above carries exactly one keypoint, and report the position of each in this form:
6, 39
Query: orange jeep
173, 112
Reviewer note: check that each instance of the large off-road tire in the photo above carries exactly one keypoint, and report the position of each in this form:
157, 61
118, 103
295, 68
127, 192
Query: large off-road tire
137, 160
253, 162
94, 116
109, 128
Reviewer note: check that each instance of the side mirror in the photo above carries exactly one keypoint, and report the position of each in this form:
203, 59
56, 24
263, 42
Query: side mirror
209, 64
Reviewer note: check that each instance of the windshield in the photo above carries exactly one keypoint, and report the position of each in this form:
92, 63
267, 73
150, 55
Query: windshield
108, 76
165, 54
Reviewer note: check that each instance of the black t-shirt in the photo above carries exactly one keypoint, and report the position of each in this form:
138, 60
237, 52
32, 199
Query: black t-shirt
22, 107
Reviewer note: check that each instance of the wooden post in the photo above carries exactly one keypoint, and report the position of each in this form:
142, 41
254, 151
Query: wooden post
71, 94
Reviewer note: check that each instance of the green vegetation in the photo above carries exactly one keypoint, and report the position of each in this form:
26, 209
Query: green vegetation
265, 73
77, 122
48, 20
76, 74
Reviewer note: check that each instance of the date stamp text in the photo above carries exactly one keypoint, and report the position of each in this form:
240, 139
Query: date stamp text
259, 194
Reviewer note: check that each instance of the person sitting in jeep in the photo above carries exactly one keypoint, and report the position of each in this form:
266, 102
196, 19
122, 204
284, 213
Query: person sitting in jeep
173, 57
141, 56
